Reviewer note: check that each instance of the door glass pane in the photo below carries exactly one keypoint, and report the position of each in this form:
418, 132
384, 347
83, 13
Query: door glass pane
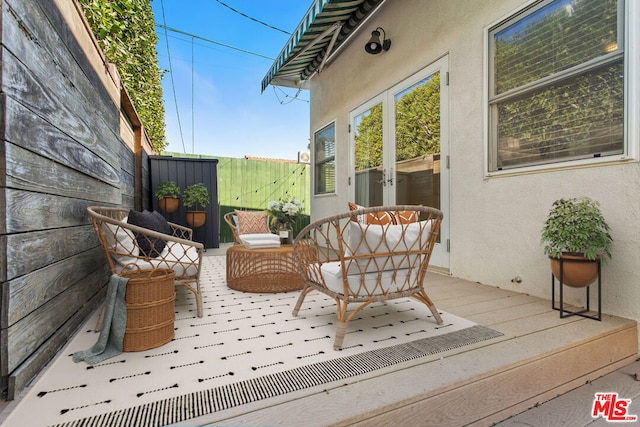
369, 178
417, 157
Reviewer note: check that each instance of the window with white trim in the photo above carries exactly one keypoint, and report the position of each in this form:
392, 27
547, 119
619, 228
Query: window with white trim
324, 161
556, 84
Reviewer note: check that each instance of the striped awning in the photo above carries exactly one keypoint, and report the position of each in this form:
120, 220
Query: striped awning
325, 26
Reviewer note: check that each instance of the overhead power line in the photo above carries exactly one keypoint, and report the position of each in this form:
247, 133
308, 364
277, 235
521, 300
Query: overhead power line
253, 19
166, 28
173, 84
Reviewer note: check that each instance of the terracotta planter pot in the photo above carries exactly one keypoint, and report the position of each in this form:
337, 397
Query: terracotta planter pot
196, 219
169, 204
577, 271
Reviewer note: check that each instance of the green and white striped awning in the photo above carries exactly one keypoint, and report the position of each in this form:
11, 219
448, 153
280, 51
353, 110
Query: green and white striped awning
325, 26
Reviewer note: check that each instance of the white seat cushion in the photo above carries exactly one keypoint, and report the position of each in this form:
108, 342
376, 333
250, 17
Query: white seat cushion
172, 257
388, 281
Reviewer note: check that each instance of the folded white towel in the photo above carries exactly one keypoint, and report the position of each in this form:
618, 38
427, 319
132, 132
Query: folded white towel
260, 241
261, 245
260, 237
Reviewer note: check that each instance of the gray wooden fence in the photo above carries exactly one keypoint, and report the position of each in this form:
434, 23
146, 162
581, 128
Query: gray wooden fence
69, 139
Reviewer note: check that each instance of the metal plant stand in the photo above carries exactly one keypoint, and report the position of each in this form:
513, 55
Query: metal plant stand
582, 313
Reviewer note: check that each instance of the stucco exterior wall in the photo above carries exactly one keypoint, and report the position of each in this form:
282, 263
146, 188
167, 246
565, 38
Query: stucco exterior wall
495, 222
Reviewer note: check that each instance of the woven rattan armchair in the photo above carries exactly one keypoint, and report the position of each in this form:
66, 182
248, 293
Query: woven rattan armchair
354, 259
257, 239
175, 250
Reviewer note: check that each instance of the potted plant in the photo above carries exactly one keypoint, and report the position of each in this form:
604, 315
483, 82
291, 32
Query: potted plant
284, 213
168, 194
196, 199
576, 233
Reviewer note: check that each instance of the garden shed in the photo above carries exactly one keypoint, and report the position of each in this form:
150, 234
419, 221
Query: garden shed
184, 172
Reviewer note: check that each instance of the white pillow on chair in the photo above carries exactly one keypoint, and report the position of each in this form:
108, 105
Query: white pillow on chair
119, 238
388, 238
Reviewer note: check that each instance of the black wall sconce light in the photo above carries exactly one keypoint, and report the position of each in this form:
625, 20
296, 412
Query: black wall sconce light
374, 46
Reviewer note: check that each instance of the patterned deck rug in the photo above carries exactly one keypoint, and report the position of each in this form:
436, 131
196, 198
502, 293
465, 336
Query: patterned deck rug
247, 348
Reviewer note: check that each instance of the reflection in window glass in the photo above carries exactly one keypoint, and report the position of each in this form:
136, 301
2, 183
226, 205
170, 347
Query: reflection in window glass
368, 157
557, 84
417, 155
418, 119
554, 38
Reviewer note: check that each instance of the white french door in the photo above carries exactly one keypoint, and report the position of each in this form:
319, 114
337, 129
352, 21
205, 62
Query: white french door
400, 145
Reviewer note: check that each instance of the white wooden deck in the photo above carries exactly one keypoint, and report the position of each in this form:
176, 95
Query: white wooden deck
539, 357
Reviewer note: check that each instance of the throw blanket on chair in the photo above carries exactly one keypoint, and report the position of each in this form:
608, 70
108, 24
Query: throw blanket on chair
113, 327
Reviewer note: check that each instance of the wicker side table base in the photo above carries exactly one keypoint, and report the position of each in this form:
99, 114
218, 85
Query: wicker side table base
150, 308
263, 270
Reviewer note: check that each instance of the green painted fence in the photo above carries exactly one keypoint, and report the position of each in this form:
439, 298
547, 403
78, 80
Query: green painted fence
245, 183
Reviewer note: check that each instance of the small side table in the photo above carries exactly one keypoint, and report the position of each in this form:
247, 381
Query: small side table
566, 313
263, 270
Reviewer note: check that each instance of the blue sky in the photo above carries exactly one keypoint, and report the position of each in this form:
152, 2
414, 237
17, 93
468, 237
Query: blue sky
218, 108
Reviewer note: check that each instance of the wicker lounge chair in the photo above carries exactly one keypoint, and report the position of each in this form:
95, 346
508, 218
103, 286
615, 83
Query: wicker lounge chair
258, 237
126, 246
354, 259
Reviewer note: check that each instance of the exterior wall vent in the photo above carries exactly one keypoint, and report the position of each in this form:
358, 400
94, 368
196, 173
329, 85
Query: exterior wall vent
304, 157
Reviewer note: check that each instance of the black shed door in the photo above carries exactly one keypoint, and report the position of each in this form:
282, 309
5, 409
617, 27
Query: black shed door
184, 172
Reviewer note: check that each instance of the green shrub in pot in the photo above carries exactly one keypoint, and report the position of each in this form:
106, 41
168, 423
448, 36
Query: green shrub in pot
576, 226
196, 196
576, 238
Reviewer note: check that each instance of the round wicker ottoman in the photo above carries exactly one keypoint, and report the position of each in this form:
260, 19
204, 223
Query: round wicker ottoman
263, 270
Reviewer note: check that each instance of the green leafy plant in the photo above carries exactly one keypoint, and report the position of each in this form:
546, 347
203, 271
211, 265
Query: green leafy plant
196, 195
576, 226
126, 34
168, 189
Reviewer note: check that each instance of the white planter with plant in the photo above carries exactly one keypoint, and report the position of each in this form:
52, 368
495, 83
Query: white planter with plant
576, 232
